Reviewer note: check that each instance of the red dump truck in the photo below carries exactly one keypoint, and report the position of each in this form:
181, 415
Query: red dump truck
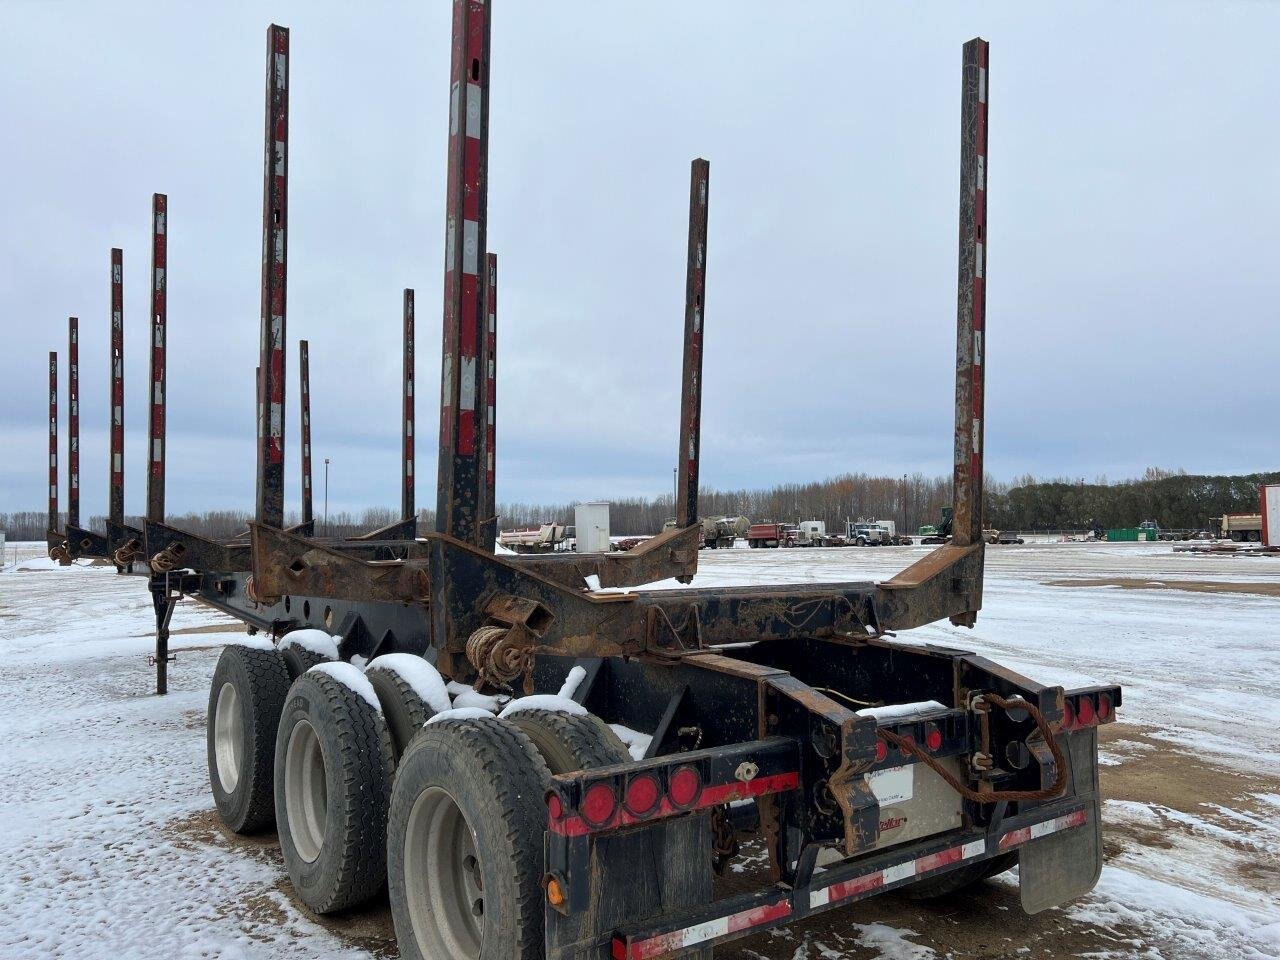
772, 535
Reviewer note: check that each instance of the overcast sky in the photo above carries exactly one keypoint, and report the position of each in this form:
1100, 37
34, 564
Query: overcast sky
1134, 217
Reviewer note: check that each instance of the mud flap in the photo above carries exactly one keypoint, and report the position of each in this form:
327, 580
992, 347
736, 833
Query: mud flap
1066, 865
637, 876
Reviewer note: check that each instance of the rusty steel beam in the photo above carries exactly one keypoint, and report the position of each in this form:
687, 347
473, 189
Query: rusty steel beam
53, 441
304, 406
275, 220
115, 511
489, 500
691, 380
407, 506
971, 296
461, 432
73, 422
159, 320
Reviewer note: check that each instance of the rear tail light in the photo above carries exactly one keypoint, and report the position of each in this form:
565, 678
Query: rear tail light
598, 804
555, 807
1104, 708
907, 743
1084, 711
684, 786
882, 751
933, 739
1068, 715
642, 795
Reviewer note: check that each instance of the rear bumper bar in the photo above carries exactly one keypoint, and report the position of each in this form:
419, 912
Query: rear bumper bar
843, 884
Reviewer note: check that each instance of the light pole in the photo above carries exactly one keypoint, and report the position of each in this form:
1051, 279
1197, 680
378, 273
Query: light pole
326, 496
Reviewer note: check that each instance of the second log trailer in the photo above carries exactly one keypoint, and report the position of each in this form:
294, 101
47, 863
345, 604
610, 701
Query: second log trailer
787, 715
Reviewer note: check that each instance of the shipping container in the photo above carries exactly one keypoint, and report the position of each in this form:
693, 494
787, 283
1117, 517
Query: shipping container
1131, 535
1271, 515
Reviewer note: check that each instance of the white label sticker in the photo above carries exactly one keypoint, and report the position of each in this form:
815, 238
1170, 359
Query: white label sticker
893, 785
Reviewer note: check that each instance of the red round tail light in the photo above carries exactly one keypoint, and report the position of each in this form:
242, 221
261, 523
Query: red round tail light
555, 807
1085, 711
1104, 707
684, 787
598, 804
933, 739
882, 751
907, 743
1068, 715
642, 795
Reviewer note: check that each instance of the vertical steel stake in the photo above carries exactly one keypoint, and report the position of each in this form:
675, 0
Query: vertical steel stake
489, 501
115, 513
461, 432
275, 220
73, 422
159, 319
53, 442
971, 296
691, 381
304, 383
407, 507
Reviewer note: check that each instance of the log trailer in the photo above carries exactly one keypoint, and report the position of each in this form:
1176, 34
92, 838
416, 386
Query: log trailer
787, 716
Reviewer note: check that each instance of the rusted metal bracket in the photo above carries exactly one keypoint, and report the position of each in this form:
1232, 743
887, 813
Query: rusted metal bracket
187, 550
944, 583
284, 564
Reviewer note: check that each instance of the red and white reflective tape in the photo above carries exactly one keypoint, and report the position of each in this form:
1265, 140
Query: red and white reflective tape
667, 943
979, 290
1016, 838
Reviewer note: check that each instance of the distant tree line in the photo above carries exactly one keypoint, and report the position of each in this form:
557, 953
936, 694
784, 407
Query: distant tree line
1174, 499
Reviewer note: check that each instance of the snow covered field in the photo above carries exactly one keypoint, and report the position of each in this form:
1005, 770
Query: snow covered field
109, 847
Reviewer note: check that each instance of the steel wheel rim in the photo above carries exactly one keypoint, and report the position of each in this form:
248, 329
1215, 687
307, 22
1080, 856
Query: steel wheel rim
306, 797
444, 889
228, 738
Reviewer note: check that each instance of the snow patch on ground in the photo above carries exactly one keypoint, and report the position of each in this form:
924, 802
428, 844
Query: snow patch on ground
352, 678
424, 678
316, 641
544, 701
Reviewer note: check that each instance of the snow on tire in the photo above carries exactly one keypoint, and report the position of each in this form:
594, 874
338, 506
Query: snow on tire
245, 701
403, 692
464, 842
333, 769
303, 649
571, 742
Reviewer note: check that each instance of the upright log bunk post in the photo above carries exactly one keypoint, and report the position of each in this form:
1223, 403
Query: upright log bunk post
691, 380
489, 500
408, 509
461, 476
51, 529
73, 422
162, 599
275, 219
122, 541
971, 308
304, 405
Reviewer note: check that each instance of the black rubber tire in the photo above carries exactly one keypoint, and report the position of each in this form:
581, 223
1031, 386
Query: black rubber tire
961, 879
494, 774
571, 742
404, 710
358, 767
298, 660
261, 683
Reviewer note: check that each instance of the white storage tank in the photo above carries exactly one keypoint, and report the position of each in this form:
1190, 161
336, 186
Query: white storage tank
1271, 515
591, 521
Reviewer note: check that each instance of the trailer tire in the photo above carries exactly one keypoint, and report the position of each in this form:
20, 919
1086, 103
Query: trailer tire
246, 699
464, 843
298, 660
333, 768
961, 879
570, 742
405, 711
